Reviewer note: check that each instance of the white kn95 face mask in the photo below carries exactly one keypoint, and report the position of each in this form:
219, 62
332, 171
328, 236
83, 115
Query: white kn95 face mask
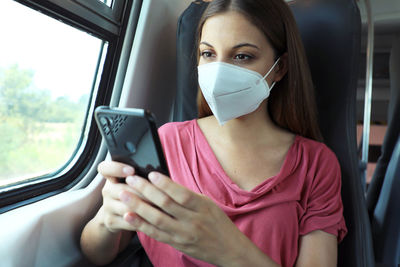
232, 91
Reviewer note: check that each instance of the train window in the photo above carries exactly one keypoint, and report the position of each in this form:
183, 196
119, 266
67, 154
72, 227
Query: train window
58, 60
107, 2
47, 70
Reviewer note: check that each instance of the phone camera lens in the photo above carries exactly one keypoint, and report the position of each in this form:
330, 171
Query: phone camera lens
106, 122
130, 147
103, 120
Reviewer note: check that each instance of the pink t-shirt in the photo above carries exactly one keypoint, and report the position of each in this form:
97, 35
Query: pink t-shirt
304, 196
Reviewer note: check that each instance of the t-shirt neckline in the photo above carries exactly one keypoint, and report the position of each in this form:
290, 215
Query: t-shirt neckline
286, 168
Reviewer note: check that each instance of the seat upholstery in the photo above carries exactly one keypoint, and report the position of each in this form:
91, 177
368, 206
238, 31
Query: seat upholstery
331, 34
330, 30
185, 102
386, 217
393, 129
382, 198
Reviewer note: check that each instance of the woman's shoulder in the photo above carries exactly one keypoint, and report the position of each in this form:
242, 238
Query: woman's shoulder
316, 151
181, 130
178, 139
318, 168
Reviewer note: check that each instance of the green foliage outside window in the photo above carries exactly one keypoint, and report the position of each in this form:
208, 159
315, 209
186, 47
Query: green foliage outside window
38, 133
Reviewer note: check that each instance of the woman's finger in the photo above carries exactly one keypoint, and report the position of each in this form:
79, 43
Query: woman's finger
149, 213
156, 197
115, 207
115, 169
148, 229
112, 190
113, 219
178, 193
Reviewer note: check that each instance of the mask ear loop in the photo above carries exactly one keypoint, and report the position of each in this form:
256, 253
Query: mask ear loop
266, 75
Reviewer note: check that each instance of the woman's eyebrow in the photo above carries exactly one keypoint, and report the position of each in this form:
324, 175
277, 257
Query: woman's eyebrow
205, 43
234, 47
245, 44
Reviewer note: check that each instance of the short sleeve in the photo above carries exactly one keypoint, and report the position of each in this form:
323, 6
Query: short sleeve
324, 208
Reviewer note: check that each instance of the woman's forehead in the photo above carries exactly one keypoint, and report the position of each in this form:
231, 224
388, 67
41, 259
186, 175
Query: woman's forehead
231, 28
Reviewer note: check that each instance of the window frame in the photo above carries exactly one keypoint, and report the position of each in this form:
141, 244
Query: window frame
113, 13
108, 24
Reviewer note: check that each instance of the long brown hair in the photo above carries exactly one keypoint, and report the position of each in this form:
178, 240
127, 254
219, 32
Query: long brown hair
291, 104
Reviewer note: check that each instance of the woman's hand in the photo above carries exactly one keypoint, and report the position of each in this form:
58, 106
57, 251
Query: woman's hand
113, 208
190, 222
104, 237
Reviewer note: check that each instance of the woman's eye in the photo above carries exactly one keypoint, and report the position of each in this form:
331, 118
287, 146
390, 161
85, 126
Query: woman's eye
206, 54
242, 57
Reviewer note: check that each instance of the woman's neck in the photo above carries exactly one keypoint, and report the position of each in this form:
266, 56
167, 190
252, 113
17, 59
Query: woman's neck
254, 129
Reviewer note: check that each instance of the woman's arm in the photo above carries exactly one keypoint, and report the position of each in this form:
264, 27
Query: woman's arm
108, 233
317, 248
99, 244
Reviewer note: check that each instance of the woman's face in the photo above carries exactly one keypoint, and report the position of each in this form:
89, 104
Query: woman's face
229, 37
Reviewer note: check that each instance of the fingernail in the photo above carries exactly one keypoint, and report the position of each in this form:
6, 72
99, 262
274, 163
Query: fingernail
128, 170
131, 180
154, 177
125, 197
130, 218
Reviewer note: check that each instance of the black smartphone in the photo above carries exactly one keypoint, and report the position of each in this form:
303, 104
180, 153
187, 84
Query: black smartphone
132, 138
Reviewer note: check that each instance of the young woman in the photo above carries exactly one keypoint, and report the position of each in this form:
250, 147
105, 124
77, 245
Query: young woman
250, 184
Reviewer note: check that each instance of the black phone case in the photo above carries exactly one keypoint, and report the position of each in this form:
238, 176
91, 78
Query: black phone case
132, 138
